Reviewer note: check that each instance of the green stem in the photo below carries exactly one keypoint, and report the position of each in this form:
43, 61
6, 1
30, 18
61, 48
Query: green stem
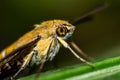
102, 69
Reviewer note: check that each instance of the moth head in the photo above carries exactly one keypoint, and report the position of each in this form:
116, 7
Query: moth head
64, 29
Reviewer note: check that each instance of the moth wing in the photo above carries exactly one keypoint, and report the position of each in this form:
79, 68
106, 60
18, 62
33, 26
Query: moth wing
22, 48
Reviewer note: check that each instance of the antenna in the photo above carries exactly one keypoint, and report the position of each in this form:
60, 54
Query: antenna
88, 16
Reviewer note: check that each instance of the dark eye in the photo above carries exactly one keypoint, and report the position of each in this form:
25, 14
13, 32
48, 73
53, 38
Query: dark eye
61, 31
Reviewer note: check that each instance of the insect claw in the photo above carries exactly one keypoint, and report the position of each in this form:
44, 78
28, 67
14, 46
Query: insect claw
90, 64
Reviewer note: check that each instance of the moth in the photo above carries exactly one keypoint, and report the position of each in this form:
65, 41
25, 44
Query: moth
40, 45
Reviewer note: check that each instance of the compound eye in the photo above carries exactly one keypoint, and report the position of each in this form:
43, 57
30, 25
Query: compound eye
61, 31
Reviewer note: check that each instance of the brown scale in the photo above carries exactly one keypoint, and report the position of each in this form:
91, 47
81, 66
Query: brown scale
6, 71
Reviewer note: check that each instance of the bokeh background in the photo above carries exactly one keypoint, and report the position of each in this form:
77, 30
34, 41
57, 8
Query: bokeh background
99, 38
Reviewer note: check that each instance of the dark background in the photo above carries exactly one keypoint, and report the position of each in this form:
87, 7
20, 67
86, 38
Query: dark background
99, 37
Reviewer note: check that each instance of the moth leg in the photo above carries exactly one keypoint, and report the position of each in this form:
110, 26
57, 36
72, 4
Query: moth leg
80, 51
66, 45
42, 63
26, 62
41, 67
44, 58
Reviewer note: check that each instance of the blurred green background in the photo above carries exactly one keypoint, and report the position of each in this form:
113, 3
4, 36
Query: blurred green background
99, 38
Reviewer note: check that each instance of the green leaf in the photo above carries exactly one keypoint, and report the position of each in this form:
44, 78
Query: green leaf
101, 70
